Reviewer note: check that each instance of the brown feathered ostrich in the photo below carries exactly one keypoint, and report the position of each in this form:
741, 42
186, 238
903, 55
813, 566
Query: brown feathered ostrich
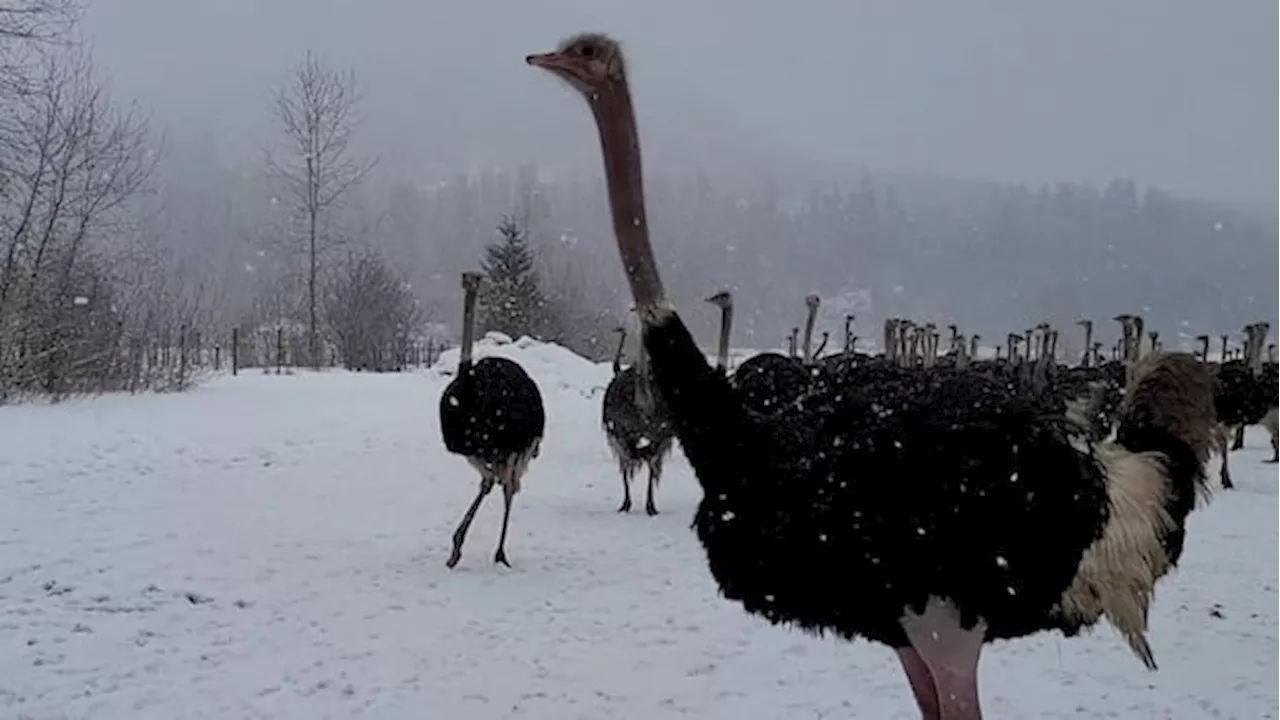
956, 510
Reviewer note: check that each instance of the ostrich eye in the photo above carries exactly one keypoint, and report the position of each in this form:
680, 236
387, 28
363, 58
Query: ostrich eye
587, 51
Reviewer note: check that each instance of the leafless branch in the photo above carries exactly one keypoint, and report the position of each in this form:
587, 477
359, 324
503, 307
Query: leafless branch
316, 114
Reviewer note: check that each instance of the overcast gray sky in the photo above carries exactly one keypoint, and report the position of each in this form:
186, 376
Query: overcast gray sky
1178, 93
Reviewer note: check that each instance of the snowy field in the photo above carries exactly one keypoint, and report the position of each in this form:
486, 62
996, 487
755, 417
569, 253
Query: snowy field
274, 547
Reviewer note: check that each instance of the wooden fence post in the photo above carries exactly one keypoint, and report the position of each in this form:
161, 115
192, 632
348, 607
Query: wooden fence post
182, 356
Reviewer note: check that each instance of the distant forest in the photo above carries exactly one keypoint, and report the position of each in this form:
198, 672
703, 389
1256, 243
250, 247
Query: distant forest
990, 257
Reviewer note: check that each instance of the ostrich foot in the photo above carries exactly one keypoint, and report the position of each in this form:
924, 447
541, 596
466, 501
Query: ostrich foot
625, 506
454, 557
650, 509
501, 557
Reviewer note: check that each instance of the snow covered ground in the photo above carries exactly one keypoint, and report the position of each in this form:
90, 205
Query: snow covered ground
273, 547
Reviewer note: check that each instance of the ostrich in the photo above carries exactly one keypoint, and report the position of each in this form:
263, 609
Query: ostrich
1203, 341
491, 414
1265, 386
822, 346
849, 337
1244, 395
724, 301
811, 303
1086, 361
768, 381
636, 424
957, 511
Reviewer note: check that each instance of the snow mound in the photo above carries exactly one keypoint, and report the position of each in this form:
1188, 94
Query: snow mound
553, 367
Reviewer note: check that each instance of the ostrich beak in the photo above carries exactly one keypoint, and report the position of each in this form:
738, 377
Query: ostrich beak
546, 61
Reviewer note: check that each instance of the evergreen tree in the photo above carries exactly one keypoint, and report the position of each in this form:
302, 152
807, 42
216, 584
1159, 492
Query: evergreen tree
512, 301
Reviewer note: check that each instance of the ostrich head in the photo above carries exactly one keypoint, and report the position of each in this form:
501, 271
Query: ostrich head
591, 63
1086, 324
812, 302
621, 330
721, 299
471, 281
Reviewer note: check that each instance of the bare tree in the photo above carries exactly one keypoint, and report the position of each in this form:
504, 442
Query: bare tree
316, 115
44, 20
28, 29
71, 166
372, 314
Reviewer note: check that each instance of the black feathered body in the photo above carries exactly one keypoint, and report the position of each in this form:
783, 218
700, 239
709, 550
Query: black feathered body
492, 411
638, 430
768, 382
1242, 398
883, 489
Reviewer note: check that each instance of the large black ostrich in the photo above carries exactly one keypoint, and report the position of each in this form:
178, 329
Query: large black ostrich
492, 415
951, 511
637, 424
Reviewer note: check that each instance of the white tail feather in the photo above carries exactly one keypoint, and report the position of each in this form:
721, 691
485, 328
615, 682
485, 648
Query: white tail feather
1117, 574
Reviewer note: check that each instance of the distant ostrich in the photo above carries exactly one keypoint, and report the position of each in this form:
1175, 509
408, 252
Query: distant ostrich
1245, 395
768, 382
793, 343
724, 301
637, 425
1203, 341
954, 510
822, 346
811, 303
491, 414
1087, 359
1264, 372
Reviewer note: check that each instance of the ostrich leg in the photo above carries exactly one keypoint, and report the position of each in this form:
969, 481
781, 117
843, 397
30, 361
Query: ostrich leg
1224, 473
508, 494
951, 654
921, 683
1238, 443
459, 535
655, 475
626, 486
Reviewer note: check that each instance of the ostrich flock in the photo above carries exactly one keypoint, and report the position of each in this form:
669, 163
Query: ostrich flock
963, 499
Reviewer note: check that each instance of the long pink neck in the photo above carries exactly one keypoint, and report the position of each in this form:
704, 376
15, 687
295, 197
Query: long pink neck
620, 145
